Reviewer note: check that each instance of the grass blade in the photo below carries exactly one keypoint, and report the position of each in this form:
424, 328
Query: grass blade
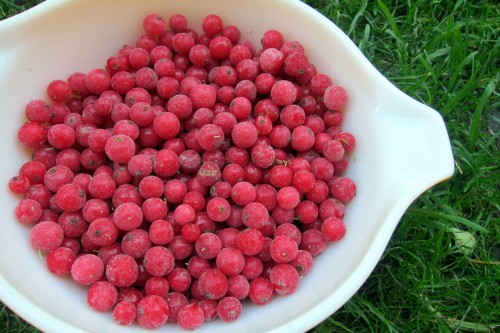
476, 117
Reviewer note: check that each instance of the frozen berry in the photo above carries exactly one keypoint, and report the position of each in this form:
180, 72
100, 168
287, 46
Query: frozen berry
152, 312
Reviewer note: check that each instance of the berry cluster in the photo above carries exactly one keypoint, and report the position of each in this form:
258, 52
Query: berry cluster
190, 174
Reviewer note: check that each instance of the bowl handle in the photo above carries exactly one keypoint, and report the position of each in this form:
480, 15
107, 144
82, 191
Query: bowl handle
417, 147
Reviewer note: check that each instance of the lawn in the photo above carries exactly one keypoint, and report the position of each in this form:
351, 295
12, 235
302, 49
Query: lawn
441, 269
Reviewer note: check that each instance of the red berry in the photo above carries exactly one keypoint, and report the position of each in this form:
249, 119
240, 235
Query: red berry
152, 312
166, 163
120, 148
343, 189
32, 135
271, 61
229, 309
283, 249
250, 241
333, 229
230, 261
213, 284
124, 313
87, 269
212, 25
302, 138
70, 197
244, 134
59, 91
179, 279
102, 296
190, 316
288, 197
122, 271
46, 236
210, 137
254, 215
208, 245
261, 291
136, 243
60, 260
284, 278
313, 241
38, 111
283, 93
102, 231
28, 211
272, 38
335, 97
154, 24
158, 261
97, 81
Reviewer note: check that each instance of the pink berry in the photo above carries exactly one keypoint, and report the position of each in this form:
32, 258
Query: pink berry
46, 236
343, 189
102, 231
120, 148
303, 262
284, 278
210, 137
128, 216
122, 271
261, 291
158, 261
166, 163
250, 241
102, 296
87, 269
28, 211
32, 135
97, 81
272, 38
154, 24
244, 134
60, 260
230, 261
212, 25
70, 197
271, 61
302, 138
254, 215
283, 249
213, 284
190, 316
152, 312
124, 313
136, 243
19, 184
333, 229
283, 93
335, 97
288, 197
229, 309
59, 91
179, 279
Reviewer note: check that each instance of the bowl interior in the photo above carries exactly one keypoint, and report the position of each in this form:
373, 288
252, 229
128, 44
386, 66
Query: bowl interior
61, 37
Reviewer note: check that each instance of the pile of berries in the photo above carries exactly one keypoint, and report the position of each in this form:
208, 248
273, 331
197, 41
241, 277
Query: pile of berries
190, 175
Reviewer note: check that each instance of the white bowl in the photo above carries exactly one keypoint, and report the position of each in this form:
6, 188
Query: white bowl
402, 150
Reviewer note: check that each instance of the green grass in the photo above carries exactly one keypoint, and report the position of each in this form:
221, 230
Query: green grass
441, 269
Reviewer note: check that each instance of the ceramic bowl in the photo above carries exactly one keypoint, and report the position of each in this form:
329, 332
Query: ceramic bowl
402, 150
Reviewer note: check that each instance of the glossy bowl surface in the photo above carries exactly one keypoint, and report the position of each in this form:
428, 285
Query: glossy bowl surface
402, 150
